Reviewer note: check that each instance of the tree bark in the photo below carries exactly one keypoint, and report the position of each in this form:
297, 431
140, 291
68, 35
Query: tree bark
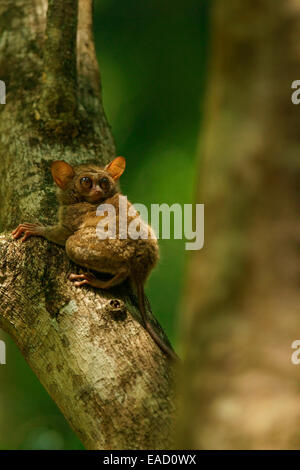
88, 347
241, 304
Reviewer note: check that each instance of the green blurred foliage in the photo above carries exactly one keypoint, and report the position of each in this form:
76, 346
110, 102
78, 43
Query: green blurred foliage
152, 58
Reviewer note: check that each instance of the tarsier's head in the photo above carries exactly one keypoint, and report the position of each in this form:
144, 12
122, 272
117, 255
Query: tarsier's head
90, 183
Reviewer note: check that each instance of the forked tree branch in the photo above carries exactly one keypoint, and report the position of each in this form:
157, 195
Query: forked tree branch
112, 383
58, 103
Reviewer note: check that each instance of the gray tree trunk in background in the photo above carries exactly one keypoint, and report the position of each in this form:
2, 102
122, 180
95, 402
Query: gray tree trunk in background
242, 297
94, 357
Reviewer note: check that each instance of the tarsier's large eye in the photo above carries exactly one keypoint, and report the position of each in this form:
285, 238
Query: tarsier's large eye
86, 182
104, 183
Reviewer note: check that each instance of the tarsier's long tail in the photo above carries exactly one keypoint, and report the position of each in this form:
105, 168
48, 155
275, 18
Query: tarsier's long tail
158, 340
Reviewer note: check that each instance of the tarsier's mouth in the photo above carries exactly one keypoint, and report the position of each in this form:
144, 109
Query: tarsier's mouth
96, 197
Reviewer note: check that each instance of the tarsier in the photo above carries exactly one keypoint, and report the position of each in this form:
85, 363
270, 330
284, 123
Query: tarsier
82, 189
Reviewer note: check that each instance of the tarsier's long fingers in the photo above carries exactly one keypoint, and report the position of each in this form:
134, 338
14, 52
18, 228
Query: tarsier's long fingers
81, 283
21, 228
28, 229
82, 279
88, 276
72, 277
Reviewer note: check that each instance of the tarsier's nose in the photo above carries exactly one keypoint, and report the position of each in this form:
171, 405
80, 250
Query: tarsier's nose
95, 194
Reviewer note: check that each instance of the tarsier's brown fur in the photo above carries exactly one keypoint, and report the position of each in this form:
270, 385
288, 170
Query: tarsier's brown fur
82, 189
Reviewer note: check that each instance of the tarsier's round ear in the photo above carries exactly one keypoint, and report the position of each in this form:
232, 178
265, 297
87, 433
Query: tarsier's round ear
116, 167
62, 173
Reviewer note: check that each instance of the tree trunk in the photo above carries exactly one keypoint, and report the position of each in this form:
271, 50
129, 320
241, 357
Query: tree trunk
242, 295
94, 357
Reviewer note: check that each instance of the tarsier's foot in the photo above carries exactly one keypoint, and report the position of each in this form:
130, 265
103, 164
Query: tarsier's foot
82, 279
91, 280
28, 230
